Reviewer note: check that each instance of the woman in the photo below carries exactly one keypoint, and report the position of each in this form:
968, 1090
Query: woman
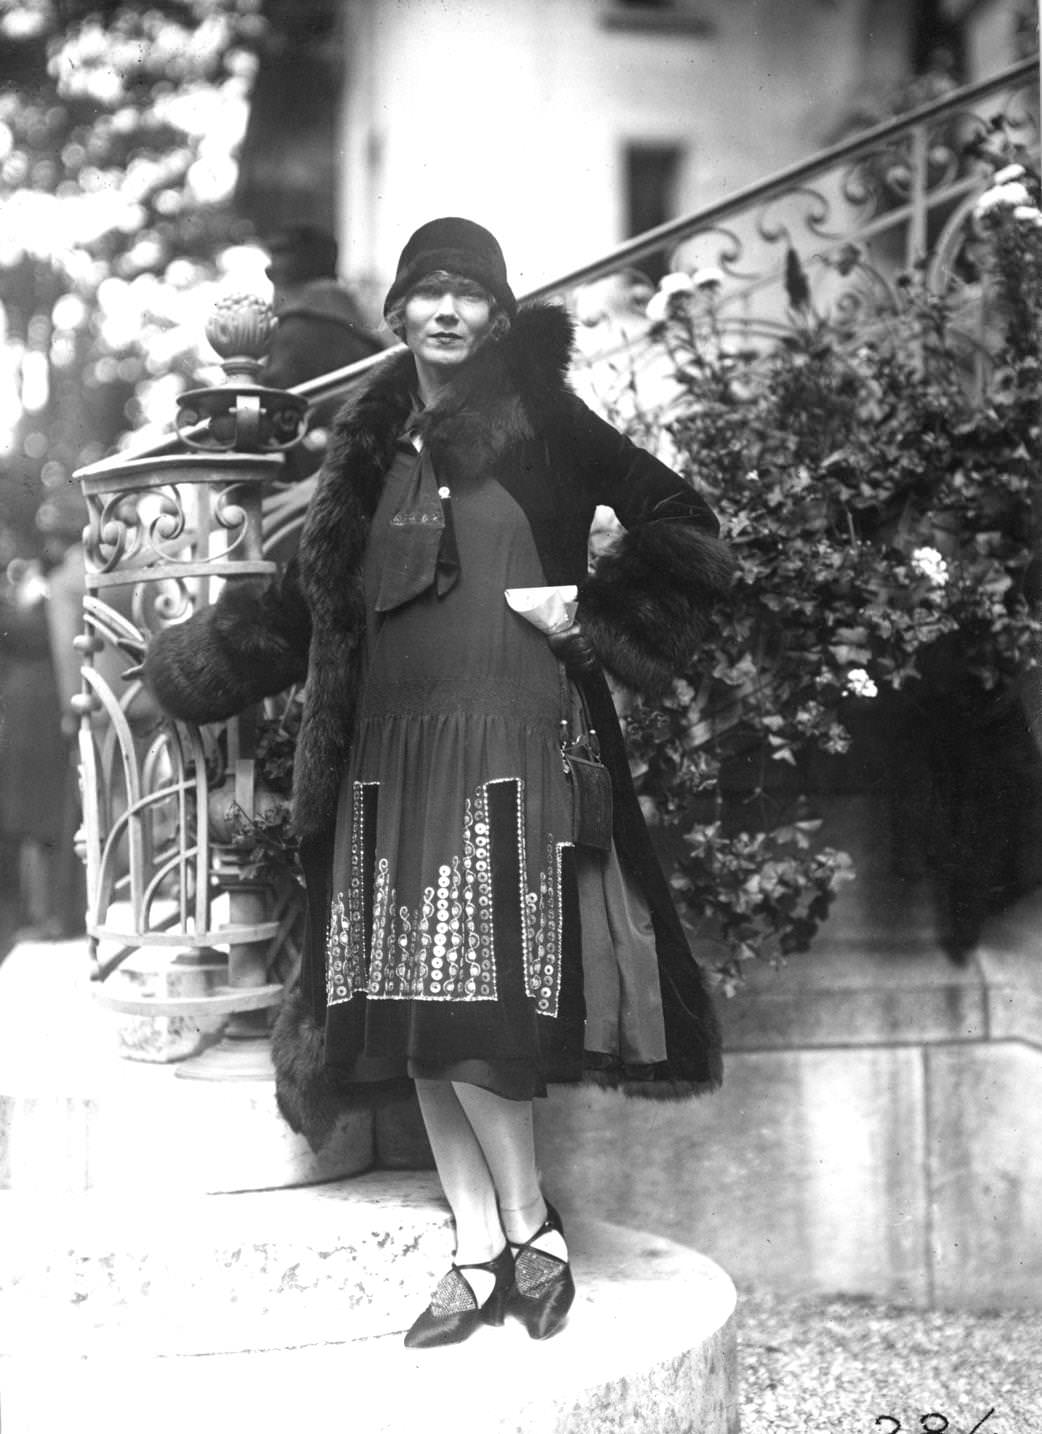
446, 895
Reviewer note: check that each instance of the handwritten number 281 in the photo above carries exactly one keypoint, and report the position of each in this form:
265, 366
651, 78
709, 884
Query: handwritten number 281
928, 1421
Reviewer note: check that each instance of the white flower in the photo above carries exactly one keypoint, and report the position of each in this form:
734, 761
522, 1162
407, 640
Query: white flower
1010, 194
837, 739
1015, 193
859, 684
658, 307
590, 307
1008, 172
708, 277
671, 287
1028, 214
929, 564
22, 24
676, 283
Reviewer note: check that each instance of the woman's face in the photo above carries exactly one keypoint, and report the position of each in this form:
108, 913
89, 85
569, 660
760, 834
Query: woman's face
446, 319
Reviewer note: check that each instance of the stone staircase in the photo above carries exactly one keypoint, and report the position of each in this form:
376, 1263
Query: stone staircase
145, 1287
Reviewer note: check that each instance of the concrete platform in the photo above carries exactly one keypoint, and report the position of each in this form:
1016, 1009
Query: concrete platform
285, 1310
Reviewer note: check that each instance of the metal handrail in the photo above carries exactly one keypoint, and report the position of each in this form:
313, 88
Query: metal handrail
338, 381
864, 141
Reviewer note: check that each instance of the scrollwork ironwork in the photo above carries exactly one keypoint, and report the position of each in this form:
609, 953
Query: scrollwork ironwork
232, 514
159, 534
900, 200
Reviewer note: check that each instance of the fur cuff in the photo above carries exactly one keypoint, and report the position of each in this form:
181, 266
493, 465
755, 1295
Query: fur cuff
251, 644
648, 605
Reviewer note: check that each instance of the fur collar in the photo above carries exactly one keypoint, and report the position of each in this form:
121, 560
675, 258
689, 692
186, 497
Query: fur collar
498, 398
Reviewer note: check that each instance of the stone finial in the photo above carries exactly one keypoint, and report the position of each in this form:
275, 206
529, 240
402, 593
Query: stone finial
240, 330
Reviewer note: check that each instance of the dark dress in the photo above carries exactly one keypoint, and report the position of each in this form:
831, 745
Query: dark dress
454, 941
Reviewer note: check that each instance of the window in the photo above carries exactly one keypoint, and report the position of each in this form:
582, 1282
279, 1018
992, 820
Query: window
650, 176
668, 17
939, 43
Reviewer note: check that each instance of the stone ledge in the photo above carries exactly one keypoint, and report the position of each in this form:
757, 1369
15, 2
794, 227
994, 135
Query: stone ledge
847, 995
156, 1136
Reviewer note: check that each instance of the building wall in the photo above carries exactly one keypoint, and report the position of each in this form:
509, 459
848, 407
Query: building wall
518, 114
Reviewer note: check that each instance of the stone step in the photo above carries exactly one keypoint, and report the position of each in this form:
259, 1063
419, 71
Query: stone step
257, 1270
281, 1309
76, 1115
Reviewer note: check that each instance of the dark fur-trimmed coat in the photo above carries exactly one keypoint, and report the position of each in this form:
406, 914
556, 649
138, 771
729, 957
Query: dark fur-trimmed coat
509, 414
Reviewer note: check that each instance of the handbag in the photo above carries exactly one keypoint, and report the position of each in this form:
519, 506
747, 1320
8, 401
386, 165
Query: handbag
588, 777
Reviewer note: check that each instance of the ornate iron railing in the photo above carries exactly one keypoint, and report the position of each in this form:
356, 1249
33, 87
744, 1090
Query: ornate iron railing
902, 193
165, 803
166, 524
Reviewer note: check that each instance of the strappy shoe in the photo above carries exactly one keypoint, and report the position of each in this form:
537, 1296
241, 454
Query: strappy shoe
543, 1288
454, 1313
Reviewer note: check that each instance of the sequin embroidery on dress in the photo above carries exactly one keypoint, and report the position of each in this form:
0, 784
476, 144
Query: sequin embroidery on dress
443, 949
543, 924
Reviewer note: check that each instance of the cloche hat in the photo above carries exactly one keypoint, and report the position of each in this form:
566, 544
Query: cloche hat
458, 246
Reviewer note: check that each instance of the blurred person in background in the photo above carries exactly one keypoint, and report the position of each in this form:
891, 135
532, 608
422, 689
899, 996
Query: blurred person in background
35, 760
321, 328
321, 325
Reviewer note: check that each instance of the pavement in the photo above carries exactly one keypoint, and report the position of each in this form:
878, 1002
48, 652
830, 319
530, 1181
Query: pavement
822, 1363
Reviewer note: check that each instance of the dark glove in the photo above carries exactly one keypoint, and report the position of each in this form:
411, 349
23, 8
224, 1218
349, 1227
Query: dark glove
575, 650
